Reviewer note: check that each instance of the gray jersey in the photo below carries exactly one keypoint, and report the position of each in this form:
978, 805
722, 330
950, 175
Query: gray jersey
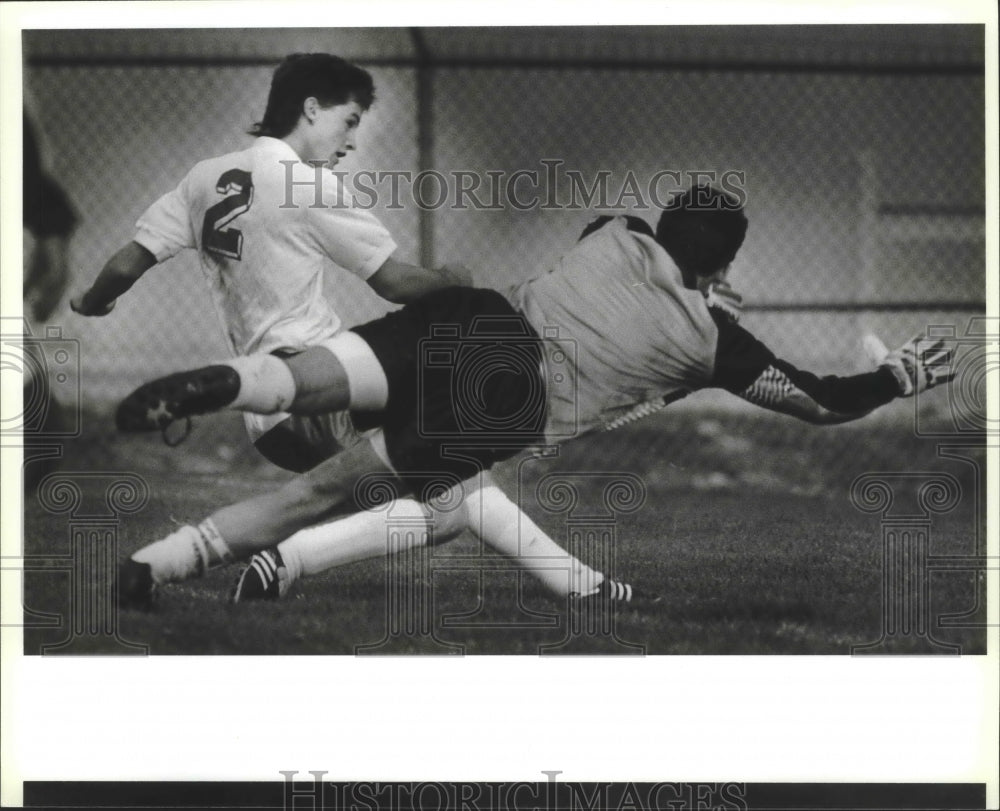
619, 327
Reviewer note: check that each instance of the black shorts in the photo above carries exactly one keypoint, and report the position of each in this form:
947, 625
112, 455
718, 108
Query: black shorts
299, 443
465, 383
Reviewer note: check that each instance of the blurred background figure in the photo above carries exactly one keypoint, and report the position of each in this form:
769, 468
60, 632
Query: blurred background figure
49, 220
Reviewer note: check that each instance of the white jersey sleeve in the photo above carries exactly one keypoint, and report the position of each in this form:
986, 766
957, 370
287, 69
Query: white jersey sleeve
165, 227
351, 237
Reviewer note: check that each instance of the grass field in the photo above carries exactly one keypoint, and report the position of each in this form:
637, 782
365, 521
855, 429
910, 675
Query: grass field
746, 531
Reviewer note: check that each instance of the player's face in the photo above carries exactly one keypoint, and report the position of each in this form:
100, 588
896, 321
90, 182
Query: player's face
333, 133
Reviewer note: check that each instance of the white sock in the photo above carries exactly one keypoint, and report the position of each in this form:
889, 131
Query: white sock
490, 514
266, 384
503, 526
186, 553
367, 534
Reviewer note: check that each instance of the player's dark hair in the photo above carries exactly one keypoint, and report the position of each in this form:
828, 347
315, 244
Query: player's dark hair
330, 79
702, 229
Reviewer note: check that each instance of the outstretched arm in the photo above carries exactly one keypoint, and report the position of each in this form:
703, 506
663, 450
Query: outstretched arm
748, 369
163, 230
820, 400
117, 276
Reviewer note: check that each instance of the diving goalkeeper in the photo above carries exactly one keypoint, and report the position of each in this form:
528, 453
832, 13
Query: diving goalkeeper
628, 321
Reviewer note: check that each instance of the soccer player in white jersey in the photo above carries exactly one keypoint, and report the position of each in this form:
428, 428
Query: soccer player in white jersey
631, 320
267, 222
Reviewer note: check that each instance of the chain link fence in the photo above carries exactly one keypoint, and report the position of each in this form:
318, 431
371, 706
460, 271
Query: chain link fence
864, 180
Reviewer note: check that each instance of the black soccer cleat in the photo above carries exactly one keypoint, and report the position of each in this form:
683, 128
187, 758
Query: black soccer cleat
136, 588
264, 578
154, 406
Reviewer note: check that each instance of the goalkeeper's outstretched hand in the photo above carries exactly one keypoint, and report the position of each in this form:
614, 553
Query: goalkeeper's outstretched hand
920, 364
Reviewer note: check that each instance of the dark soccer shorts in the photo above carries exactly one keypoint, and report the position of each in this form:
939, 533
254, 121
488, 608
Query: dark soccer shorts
466, 388
299, 443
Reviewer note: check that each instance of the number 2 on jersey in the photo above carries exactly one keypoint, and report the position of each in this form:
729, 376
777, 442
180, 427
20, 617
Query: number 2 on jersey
215, 236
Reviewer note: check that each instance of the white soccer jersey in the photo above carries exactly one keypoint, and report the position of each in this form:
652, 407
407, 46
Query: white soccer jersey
265, 226
617, 304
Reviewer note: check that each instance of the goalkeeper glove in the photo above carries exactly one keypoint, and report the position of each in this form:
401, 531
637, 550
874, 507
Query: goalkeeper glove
720, 296
920, 364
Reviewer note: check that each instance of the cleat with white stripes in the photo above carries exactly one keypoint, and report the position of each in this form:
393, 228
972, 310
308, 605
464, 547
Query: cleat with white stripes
611, 593
264, 578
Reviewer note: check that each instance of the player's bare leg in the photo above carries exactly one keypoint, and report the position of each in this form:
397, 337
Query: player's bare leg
325, 491
237, 531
